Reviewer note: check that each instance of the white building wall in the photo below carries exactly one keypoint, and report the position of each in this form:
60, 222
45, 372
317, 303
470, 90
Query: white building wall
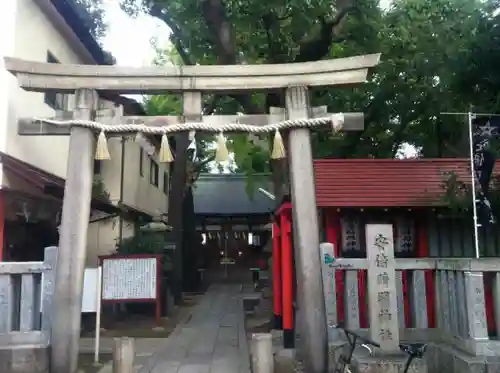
138, 191
8, 15
35, 36
28, 33
103, 237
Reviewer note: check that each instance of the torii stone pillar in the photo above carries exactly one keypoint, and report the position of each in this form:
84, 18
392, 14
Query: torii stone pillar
67, 298
313, 327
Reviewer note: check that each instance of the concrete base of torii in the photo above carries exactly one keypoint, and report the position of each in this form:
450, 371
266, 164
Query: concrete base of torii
24, 359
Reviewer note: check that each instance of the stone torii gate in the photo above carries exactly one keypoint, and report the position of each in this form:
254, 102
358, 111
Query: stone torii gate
191, 82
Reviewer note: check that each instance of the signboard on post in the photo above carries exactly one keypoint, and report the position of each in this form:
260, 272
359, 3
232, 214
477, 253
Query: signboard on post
131, 278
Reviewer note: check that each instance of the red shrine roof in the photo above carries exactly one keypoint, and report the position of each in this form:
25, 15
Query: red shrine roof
386, 182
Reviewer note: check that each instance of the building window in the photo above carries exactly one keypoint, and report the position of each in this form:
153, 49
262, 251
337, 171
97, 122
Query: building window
153, 172
56, 100
141, 162
166, 183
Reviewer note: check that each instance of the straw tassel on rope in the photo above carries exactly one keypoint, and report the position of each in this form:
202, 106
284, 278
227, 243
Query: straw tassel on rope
221, 153
138, 137
165, 155
102, 151
278, 147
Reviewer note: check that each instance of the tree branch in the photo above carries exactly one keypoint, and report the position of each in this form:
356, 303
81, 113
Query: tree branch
214, 14
200, 165
271, 24
210, 108
156, 11
352, 139
318, 47
221, 31
246, 103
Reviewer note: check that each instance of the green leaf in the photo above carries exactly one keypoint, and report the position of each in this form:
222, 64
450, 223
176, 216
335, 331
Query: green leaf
437, 55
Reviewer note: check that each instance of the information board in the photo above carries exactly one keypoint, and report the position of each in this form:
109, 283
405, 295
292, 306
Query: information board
130, 278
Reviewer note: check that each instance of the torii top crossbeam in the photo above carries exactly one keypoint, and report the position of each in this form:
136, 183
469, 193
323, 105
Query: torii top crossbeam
39, 76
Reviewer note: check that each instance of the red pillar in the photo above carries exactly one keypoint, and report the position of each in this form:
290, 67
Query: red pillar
287, 278
2, 226
362, 298
423, 252
277, 298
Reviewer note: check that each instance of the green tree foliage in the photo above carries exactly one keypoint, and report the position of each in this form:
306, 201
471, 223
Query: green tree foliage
457, 195
433, 52
93, 15
147, 243
422, 43
478, 72
92, 12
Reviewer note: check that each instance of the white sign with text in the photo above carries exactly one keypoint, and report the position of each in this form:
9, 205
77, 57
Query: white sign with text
129, 279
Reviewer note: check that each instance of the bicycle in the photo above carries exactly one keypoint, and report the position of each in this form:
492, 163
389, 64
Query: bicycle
413, 350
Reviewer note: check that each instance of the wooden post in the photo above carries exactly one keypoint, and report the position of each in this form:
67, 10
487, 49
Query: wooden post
65, 331
123, 355
305, 219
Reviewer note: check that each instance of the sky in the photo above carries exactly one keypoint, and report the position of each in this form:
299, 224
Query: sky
129, 39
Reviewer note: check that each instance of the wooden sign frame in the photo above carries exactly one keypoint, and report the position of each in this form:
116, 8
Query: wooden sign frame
156, 300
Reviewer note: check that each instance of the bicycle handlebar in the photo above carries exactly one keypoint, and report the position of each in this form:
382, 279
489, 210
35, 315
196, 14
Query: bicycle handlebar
415, 350
361, 338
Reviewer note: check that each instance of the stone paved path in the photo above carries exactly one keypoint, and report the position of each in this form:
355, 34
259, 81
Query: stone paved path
213, 340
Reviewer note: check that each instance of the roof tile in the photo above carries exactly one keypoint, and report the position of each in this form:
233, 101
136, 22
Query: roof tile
385, 182
226, 194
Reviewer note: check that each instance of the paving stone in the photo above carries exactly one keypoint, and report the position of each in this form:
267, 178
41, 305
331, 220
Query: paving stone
212, 341
166, 367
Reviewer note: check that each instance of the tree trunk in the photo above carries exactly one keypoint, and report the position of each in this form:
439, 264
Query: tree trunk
175, 210
191, 244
